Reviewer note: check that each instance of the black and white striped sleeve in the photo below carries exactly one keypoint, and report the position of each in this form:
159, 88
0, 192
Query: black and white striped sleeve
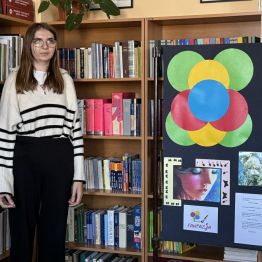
78, 144
9, 119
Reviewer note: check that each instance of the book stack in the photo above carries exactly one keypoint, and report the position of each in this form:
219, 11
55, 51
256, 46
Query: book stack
23, 9
119, 60
72, 255
118, 115
116, 174
240, 255
118, 226
10, 52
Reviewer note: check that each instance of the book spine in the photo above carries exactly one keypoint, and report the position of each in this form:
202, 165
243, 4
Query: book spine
137, 227
108, 119
89, 107
25, 5
117, 113
18, 13
99, 117
127, 116
122, 229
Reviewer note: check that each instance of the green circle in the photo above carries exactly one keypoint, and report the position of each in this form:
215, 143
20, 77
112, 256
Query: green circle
238, 136
239, 66
177, 134
179, 68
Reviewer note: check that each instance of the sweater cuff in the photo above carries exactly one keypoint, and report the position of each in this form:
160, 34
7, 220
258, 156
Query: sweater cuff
6, 180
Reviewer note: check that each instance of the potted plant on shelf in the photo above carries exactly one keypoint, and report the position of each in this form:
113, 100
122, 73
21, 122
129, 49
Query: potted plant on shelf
75, 10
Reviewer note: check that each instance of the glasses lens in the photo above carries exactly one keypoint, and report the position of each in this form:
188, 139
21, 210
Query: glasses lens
38, 42
51, 42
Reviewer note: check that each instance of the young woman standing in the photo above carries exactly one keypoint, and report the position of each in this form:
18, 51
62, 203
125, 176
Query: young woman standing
41, 149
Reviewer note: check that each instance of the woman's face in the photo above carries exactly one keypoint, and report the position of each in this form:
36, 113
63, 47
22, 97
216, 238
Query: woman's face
196, 185
43, 47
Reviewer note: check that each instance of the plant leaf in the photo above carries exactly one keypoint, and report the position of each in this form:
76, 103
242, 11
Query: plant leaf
55, 2
109, 7
43, 6
73, 21
68, 6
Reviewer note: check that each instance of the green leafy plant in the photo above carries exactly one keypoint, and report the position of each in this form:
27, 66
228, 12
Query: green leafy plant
75, 10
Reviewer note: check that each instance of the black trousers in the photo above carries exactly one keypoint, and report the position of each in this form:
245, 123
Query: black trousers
43, 174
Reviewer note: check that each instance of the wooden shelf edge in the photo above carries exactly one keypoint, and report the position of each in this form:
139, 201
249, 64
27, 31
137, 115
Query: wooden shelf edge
109, 193
198, 254
126, 79
4, 256
5, 19
113, 137
105, 249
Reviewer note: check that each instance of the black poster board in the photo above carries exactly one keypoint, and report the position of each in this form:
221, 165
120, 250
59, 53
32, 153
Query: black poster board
243, 62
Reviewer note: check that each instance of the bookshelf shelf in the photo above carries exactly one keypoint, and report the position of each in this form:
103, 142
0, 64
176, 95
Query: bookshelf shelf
199, 254
109, 80
109, 193
108, 32
6, 20
114, 137
105, 249
103, 23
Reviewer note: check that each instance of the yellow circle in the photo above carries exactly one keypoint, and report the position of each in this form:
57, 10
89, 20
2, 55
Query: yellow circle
207, 135
208, 70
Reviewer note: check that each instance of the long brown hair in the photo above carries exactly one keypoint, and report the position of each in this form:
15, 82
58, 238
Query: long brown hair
25, 80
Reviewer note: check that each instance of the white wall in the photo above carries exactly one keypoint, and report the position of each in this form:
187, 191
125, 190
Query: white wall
156, 8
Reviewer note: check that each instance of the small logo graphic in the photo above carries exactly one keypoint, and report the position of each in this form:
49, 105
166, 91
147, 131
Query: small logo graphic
197, 217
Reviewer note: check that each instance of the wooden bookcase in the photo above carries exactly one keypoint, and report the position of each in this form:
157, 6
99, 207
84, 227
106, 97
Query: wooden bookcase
179, 27
107, 32
11, 25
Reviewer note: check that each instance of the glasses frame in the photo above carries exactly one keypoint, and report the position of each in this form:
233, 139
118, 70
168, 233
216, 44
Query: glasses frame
50, 42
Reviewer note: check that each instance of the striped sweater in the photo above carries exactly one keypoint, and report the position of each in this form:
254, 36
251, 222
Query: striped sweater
41, 113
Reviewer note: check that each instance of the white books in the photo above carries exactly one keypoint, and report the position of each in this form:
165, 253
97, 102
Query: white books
239, 254
122, 228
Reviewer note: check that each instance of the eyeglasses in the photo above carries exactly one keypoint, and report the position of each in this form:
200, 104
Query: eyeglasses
38, 42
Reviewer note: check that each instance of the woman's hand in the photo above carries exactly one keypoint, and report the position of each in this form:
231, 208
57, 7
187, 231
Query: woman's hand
6, 201
77, 193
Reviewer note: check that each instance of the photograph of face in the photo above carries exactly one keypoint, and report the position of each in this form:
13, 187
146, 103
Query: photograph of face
194, 183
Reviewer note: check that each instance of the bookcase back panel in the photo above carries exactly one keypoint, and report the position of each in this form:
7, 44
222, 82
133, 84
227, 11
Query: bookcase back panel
100, 201
98, 35
204, 30
112, 147
104, 89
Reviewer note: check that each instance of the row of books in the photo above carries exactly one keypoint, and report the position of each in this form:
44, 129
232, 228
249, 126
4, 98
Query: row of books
240, 255
166, 247
72, 255
10, 53
123, 59
123, 175
119, 115
23, 9
117, 226
4, 231
194, 41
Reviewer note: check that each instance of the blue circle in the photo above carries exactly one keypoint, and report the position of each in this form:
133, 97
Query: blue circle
208, 100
